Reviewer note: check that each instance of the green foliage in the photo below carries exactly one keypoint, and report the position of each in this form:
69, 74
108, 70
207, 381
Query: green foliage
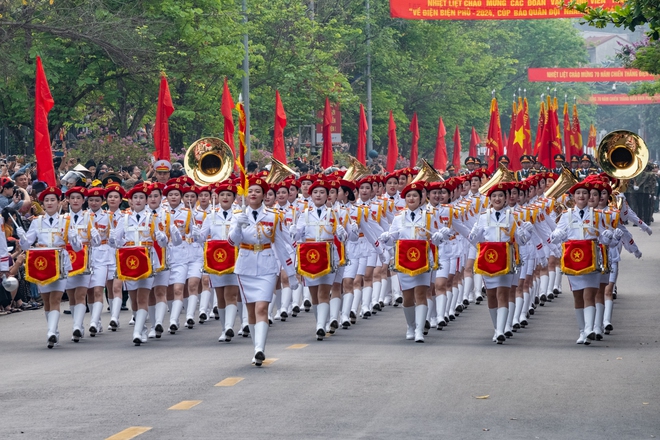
630, 15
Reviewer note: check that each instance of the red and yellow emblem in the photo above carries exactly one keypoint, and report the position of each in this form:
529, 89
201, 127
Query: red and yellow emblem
493, 258
411, 257
219, 257
42, 266
604, 259
341, 251
436, 260
578, 257
314, 259
161, 253
133, 263
79, 260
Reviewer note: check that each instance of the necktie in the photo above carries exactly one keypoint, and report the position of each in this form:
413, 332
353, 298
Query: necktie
225, 214
412, 216
497, 215
51, 221
391, 197
318, 211
581, 213
138, 217
153, 211
75, 218
254, 214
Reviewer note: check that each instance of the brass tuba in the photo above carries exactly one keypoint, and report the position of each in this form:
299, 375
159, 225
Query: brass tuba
428, 174
278, 172
356, 170
622, 154
503, 174
209, 160
563, 183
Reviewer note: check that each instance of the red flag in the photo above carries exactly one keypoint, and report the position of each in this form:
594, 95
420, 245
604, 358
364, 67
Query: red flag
414, 128
456, 158
43, 102
392, 145
591, 141
512, 131
440, 159
242, 148
161, 129
494, 142
226, 109
474, 143
568, 135
326, 154
540, 128
527, 144
279, 152
577, 133
362, 137
519, 138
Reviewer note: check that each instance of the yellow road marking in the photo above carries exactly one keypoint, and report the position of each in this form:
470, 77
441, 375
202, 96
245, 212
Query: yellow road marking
129, 433
296, 346
229, 382
269, 361
186, 404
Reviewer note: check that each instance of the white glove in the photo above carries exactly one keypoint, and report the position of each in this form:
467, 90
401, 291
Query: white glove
196, 232
523, 236
242, 219
608, 235
637, 254
543, 261
175, 235
20, 231
383, 258
644, 227
341, 233
446, 232
293, 283
559, 236
95, 233
385, 237
618, 234
477, 234
528, 227
437, 238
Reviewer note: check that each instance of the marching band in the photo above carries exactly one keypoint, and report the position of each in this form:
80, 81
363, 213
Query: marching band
343, 244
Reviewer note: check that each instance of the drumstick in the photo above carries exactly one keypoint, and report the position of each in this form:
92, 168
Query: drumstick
14, 221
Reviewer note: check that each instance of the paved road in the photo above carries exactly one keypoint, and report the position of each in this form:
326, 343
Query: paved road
366, 382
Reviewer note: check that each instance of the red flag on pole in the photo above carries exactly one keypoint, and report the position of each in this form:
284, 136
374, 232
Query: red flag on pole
414, 128
161, 129
519, 138
326, 154
456, 159
568, 135
440, 159
512, 131
474, 143
362, 137
527, 144
226, 109
43, 102
279, 152
577, 133
540, 128
392, 145
494, 142
591, 140
242, 148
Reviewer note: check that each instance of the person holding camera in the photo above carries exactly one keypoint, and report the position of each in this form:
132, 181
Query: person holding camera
7, 191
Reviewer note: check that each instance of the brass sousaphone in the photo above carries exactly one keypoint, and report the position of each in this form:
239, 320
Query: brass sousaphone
503, 174
278, 172
561, 186
356, 170
428, 174
622, 154
209, 160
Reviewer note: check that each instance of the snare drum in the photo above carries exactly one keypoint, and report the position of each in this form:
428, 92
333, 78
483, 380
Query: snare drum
315, 259
580, 257
44, 265
134, 263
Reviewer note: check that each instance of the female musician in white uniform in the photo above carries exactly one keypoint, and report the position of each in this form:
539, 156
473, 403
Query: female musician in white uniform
114, 195
259, 235
583, 223
415, 223
319, 224
497, 224
196, 257
51, 230
140, 228
216, 227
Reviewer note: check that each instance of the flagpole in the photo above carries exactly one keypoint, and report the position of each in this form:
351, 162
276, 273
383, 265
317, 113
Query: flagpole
370, 143
246, 84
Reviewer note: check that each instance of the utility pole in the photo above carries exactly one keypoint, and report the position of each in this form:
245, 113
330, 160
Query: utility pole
246, 84
370, 139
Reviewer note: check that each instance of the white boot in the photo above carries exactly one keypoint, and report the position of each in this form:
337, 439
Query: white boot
430, 315
493, 318
204, 301
589, 316
551, 285
598, 322
502, 313
95, 321
454, 302
468, 288
260, 335
244, 321
229, 318
175, 311
272, 307
151, 311
53, 318
346, 303
366, 302
579, 315
386, 292
527, 299
161, 310
286, 302
409, 313
222, 314
297, 299
558, 280
440, 307
322, 311
78, 313
516, 313
397, 295
115, 309
420, 321
478, 284
607, 316
335, 306
357, 301
509, 320
307, 299
375, 296
543, 288
191, 308
140, 319
448, 311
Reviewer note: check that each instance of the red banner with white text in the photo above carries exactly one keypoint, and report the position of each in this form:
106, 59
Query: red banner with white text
588, 74
621, 99
488, 9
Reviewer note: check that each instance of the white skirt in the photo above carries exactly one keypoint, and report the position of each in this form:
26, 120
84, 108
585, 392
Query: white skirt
257, 288
407, 282
56, 286
498, 281
162, 278
223, 280
77, 281
146, 283
579, 282
327, 279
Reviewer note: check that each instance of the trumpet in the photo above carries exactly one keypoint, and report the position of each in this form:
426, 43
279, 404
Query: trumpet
622, 154
209, 160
